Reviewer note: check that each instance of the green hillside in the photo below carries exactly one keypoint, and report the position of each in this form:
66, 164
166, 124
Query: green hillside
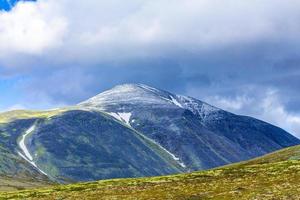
274, 176
28, 114
76, 145
15, 172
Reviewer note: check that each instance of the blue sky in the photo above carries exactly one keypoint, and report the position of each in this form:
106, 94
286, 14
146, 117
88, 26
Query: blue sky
8, 4
4, 4
242, 56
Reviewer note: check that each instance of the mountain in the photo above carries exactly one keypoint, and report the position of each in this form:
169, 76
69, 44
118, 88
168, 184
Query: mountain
274, 176
200, 135
78, 145
131, 130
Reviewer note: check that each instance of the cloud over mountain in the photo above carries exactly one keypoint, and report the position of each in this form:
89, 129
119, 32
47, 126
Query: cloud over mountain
229, 51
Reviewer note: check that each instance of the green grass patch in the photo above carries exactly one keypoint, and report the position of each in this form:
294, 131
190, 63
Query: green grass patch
274, 176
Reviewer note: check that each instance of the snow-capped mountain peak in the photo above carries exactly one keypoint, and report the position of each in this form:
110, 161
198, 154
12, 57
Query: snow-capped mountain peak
130, 94
122, 98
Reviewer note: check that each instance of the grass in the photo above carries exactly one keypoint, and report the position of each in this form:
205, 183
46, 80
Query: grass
21, 183
274, 176
9, 116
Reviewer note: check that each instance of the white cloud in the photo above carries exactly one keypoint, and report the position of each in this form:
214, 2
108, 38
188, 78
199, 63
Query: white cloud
64, 32
98, 29
233, 104
274, 112
266, 106
30, 28
14, 107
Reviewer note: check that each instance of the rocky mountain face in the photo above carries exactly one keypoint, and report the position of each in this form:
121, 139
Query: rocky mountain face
133, 130
199, 135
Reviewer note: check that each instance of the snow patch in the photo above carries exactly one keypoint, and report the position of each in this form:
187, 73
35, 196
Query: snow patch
176, 102
26, 154
151, 89
197, 107
164, 98
208, 109
171, 154
22, 142
32, 163
175, 158
115, 115
123, 117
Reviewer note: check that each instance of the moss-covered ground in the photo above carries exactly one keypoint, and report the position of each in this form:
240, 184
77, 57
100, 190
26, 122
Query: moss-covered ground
274, 176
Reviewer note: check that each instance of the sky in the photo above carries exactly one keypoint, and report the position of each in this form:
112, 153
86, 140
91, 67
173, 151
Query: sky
241, 56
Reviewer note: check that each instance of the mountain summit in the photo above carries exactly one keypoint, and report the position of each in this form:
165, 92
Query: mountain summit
200, 135
126, 96
131, 130
132, 94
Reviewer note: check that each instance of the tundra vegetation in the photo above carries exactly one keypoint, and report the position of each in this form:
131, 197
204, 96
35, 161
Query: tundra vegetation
274, 176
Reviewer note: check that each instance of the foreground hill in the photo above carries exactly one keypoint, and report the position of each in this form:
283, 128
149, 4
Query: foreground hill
12, 183
274, 176
131, 130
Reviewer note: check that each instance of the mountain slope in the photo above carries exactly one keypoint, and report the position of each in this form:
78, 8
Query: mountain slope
85, 145
200, 135
274, 176
15, 172
132, 130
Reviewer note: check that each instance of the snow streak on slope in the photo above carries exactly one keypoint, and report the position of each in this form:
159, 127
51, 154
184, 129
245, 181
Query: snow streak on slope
154, 90
171, 154
151, 89
123, 117
176, 102
22, 142
197, 107
27, 156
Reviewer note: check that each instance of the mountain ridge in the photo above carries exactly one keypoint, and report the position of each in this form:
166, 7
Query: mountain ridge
133, 92
133, 130
126, 98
